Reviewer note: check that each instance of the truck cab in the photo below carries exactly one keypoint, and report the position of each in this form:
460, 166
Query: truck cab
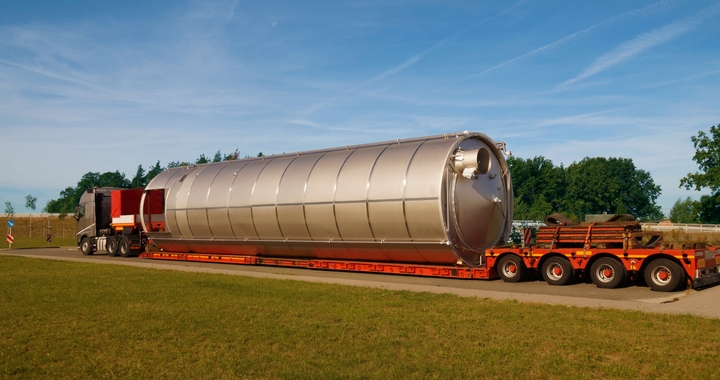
93, 216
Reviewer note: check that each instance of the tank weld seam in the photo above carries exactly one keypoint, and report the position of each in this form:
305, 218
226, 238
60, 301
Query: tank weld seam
277, 194
207, 199
331, 241
367, 193
237, 171
444, 136
252, 195
307, 178
335, 186
307, 203
404, 192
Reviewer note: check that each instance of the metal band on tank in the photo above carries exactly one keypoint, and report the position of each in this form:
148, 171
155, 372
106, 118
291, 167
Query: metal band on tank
167, 196
368, 242
319, 203
227, 200
407, 170
207, 196
367, 192
337, 176
305, 194
252, 196
277, 191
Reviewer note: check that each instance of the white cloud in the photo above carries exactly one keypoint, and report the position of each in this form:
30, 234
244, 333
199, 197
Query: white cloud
638, 45
572, 36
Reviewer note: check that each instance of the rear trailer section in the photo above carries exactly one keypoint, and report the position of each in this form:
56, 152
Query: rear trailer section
610, 253
707, 268
662, 270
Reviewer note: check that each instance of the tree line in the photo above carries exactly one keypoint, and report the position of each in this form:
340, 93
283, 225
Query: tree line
615, 186
592, 186
707, 156
70, 196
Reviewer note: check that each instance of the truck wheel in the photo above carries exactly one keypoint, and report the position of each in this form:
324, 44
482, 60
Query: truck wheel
664, 275
608, 273
557, 271
124, 246
111, 244
511, 268
86, 247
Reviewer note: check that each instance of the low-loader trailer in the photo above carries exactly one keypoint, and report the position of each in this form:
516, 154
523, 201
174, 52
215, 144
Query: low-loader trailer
437, 206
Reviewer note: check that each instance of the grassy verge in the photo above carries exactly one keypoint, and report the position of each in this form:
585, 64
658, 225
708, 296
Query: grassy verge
39, 242
679, 236
76, 320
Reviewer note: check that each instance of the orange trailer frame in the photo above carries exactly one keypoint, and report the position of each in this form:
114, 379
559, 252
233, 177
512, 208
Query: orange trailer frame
609, 252
700, 265
339, 265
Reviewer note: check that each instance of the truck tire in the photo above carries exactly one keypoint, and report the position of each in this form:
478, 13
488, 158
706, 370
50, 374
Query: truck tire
663, 275
111, 244
557, 271
86, 246
511, 268
608, 273
124, 246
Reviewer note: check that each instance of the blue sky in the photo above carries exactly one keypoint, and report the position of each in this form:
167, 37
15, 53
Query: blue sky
107, 85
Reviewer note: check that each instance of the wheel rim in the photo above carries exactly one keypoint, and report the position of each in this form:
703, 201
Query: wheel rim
661, 275
605, 273
554, 271
509, 269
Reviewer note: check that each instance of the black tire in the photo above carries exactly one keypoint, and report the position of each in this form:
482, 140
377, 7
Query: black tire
663, 275
86, 246
557, 271
111, 245
608, 273
511, 268
124, 247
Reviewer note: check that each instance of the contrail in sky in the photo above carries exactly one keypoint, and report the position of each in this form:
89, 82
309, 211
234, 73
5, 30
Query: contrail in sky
639, 44
570, 37
387, 73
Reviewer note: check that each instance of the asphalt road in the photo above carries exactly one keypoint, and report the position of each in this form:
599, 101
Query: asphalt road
635, 296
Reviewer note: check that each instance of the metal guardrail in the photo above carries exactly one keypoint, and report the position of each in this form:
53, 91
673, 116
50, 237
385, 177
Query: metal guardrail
34, 215
517, 224
681, 226
534, 224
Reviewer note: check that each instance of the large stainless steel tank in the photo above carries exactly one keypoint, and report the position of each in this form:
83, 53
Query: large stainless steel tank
432, 200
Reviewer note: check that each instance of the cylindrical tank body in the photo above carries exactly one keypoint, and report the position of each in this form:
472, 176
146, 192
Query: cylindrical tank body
436, 200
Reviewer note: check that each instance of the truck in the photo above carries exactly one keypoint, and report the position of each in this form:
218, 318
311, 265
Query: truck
437, 206
109, 220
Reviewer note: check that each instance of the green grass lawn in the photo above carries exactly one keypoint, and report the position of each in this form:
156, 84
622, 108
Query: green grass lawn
39, 242
76, 320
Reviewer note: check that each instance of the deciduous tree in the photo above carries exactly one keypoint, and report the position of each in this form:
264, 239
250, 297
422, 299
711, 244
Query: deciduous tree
70, 197
538, 185
9, 210
30, 203
685, 211
611, 185
707, 156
